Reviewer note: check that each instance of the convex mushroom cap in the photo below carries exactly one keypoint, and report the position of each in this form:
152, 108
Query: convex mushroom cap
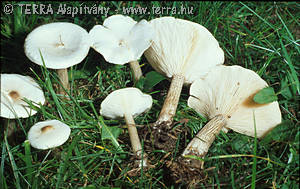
182, 47
129, 101
14, 89
229, 91
48, 134
121, 39
61, 44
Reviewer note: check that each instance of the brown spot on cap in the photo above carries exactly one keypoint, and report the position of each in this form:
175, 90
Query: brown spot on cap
47, 128
14, 95
250, 103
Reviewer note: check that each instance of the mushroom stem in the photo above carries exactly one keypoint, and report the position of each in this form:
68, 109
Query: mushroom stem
11, 127
135, 140
136, 69
170, 104
64, 79
200, 144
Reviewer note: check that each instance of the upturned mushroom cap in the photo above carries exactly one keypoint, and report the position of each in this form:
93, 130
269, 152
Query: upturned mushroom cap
61, 44
14, 88
181, 47
48, 134
229, 90
125, 101
121, 39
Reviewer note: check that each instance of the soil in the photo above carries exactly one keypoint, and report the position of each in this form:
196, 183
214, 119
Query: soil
178, 171
185, 171
159, 137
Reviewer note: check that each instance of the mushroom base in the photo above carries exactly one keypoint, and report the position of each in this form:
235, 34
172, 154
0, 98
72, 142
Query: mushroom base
162, 138
159, 138
186, 171
166, 125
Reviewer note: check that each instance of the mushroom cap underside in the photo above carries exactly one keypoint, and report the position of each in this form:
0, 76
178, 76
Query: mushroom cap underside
229, 90
182, 47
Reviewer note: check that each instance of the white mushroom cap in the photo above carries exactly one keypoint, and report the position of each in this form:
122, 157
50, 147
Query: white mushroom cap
14, 88
125, 101
121, 39
48, 134
62, 45
229, 90
181, 47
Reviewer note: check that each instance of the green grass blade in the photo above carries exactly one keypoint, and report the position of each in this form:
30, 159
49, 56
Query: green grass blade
253, 180
28, 161
291, 66
266, 64
107, 134
2, 178
36, 180
13, 164
288, 31
258, 16
232, 180
50, 88
65, 161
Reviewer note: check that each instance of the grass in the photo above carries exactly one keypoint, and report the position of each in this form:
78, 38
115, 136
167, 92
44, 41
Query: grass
261, 36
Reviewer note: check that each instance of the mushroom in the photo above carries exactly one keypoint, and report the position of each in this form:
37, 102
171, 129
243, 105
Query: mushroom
61, 45
14, 89
225, 97
121, 40
48, 134
183, 51
128, 103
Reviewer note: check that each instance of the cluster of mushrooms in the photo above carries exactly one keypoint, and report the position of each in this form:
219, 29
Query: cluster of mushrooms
183, 51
